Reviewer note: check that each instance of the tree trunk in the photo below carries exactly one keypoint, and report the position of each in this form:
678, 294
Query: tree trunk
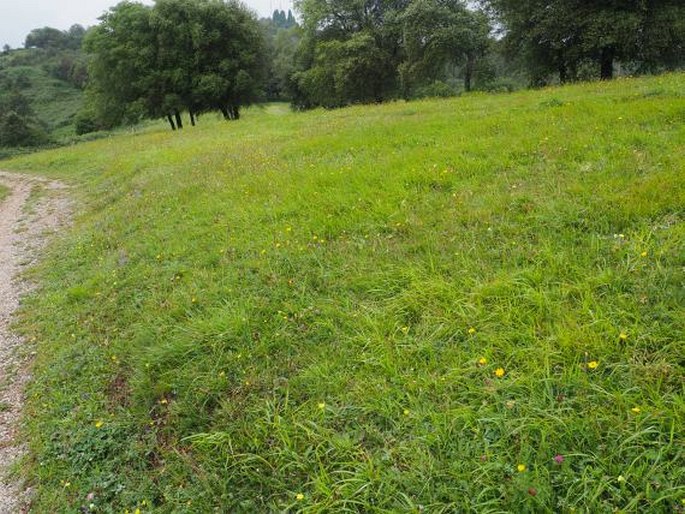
192, 118
224, 111
236, 112
468, 72
179, 121
607, 64
171, 121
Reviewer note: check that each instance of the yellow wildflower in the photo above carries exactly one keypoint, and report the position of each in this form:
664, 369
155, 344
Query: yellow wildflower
592, 364
623, 336
635, 410
321, 405
482, 361
99, 423
472, 330
299, 497
499, 372
405, 412
521, 468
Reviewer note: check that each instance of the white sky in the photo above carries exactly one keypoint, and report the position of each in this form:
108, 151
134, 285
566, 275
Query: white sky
19, 17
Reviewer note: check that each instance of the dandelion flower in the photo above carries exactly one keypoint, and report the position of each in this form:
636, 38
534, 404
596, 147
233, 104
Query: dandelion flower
405, 412
643, 254
472, 330
482, 361
635, 410
99, 423
623, 336
499, 372
593, 364
521, 468
321, 405
299, 497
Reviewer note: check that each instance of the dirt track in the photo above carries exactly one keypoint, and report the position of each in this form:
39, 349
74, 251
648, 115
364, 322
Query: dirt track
35, 208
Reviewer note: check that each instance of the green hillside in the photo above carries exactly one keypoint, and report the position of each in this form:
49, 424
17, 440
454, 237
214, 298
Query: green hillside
36, 74
467, 305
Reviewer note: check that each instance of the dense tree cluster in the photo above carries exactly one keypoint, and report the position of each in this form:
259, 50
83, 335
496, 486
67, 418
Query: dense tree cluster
373, 50
49, 38
587, 38
19, 126
179, 55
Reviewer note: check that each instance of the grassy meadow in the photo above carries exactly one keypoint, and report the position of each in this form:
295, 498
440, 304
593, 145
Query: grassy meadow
464, 305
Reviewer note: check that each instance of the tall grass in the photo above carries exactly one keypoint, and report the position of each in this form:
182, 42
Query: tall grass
463, 305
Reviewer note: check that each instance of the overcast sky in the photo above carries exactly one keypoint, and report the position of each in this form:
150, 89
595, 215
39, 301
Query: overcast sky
19, 17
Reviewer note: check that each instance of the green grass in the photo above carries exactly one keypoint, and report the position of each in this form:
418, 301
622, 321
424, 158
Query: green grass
276, 314
4, 192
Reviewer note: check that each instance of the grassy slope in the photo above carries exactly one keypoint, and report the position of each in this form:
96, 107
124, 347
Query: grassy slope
55, 102
276, 313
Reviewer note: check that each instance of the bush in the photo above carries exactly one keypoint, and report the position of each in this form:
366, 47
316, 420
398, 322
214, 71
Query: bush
436, 89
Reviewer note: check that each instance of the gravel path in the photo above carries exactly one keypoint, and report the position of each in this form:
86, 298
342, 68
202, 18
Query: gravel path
35, 208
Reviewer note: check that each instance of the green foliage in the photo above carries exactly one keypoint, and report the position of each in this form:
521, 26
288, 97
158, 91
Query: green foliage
359, 37
283, 307
438, 34
45, 99
18, 124
48, 38
351, 71
197, 55
558, 36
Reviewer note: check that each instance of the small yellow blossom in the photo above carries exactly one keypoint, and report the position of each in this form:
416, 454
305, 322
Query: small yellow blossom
321, 405
592, 364
635, 410
405, 330
521, 468
405, 412
472, 330
482, 361
299, 497
623, 336
499, 372
643, 254
99, 423
163, 401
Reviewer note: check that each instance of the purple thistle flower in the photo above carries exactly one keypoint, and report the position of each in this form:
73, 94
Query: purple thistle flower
558, 459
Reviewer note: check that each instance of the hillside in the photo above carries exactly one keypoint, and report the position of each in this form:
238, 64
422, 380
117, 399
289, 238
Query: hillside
467, 305
46, 78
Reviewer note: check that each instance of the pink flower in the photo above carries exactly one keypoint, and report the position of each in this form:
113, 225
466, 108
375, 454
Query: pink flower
558, 459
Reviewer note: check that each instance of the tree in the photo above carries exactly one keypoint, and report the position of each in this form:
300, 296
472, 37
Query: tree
438, 33
194, 55
559, 35
18, 125
333, 32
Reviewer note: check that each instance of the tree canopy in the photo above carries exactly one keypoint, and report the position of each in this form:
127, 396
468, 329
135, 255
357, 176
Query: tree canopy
563, 36
194, 55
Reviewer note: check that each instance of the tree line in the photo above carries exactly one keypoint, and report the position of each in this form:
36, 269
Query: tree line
188, 57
